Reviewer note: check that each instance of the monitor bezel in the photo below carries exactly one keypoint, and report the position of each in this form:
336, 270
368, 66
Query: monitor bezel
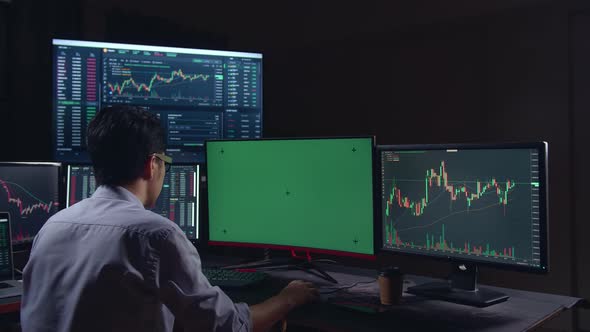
199, 212
376, 206
56, 41
23, 246
540, 146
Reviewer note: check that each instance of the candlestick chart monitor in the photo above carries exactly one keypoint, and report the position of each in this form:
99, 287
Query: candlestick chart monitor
30, 194
197, 94
477, 203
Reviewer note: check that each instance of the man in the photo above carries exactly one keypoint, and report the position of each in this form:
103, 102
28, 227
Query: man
108, 264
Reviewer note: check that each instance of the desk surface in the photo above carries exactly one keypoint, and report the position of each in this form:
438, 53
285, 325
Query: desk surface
523, 310
10, 304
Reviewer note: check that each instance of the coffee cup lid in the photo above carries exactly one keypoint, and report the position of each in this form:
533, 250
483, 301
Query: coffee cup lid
390, 271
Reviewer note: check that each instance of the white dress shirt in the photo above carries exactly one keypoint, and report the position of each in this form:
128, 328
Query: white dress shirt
108, 264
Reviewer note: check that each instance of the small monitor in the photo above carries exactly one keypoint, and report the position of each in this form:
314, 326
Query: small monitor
6, 268
472, 204
312, 194
197, 94
30, 193
178, 200
80, 183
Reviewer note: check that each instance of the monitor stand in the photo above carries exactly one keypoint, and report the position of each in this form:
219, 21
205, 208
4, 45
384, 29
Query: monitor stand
461, 288
294, 262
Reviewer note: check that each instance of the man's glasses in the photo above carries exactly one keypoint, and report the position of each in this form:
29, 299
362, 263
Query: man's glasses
167, 160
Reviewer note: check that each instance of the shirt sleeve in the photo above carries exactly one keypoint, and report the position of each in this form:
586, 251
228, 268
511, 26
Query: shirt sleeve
187, 293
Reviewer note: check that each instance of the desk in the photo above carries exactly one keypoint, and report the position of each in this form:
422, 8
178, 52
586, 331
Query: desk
523, 311
10, 314
10, 304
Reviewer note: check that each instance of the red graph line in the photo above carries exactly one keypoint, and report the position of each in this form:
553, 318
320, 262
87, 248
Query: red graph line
26, 210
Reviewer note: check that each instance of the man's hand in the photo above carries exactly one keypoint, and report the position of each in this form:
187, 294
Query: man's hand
267, 313
299, 292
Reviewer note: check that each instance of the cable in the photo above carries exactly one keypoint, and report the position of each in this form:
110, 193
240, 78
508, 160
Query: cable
333, 290
324, 260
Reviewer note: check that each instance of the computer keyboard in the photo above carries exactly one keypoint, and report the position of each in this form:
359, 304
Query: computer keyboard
233, 278
5, 285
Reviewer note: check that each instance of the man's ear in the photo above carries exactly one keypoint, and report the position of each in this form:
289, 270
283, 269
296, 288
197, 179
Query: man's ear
149, 169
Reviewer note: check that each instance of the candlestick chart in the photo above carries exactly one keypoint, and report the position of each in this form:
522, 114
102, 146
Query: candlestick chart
158, 82
31, 196
462, 203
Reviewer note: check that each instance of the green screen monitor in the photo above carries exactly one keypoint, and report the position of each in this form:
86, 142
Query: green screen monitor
309, 194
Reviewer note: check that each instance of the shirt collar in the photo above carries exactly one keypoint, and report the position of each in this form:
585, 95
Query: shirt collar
116, 192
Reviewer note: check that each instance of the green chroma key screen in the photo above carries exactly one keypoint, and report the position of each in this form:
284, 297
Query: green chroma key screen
311, 193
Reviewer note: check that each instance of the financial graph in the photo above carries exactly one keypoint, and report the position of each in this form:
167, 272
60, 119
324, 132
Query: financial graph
31, 195
22, 207
176, 77
197, 94
475, 203
441, 181
159, 82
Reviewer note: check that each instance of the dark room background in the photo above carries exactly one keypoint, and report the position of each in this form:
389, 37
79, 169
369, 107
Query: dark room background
405, 71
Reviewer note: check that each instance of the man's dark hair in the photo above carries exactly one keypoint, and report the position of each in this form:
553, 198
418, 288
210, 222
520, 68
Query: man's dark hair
120, 139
